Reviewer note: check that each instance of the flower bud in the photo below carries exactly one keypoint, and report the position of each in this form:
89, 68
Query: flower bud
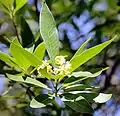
59, 60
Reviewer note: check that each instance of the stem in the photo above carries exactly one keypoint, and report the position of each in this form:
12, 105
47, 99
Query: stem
56, 90
33, 70
55, 87
52, 84
60, 87
16, 31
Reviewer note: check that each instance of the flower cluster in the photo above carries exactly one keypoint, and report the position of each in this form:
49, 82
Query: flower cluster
62, 67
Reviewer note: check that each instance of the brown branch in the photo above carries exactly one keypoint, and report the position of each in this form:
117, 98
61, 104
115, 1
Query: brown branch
16, 31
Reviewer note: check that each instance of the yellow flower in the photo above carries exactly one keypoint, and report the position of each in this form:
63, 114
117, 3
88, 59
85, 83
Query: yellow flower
56, 71
44, 64
49, 69
68, 65
62, 66
59, 60
65, 69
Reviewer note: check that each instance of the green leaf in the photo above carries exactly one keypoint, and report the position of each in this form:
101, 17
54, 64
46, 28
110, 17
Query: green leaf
26, 33
71, 80
9, 60
15, 40
4, 8
40, 51
76, 87
89, 96
4, 2
23, 57
21, 105
88, 54
7, 3
87, 74
30, 49
37, 36
19, 4
28, 80
49, 32
79, 51
101, 98
36, 104
79, 105
40, 101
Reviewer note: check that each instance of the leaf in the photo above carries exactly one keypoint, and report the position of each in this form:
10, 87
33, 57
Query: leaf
15, 40
101, 98
37, 36
26, 33
80, 105
30, 49
36, 104
28, 80
21, 105
40, 51
49, 32
7, 3
23, 57
88, 54
4, 2
89, 96
40, 101
19, 4
71, 80
79, 51
76, 87
87, 74
4, 8
7, 59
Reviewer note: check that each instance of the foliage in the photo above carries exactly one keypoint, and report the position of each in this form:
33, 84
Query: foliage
30, 66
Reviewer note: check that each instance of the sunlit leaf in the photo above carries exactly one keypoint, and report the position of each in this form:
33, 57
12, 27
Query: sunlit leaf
89, 96
23, 57
101, 98
80, 50
37, 36
9, 60
88, 54
76, 87
87, 74
19, 4
7, 3
4, 8
36, 104
28, 80
40, 101
49, 32
30, 49
81, 76
40, 51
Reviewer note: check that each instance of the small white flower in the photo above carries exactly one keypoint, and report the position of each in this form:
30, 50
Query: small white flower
68, 65
59, 60
56, 71
44, 64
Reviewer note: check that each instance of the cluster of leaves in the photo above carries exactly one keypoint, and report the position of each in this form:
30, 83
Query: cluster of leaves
75, 95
